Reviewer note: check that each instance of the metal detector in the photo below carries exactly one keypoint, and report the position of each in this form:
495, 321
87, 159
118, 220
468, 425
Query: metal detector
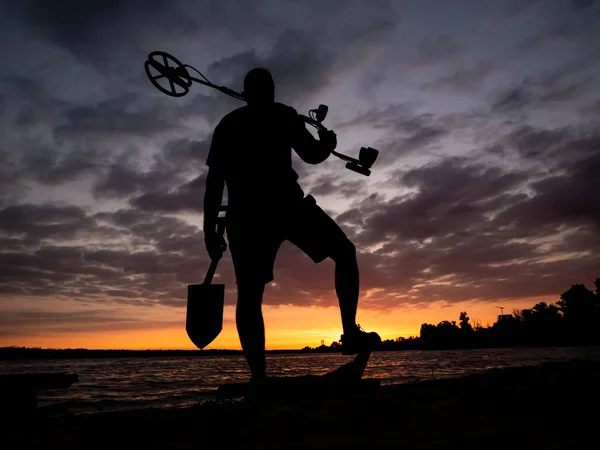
172, 77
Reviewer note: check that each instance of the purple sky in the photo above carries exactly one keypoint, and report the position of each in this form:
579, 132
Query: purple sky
486, 116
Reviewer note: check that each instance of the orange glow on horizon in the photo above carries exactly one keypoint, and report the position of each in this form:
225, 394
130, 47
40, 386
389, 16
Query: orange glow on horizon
287, 327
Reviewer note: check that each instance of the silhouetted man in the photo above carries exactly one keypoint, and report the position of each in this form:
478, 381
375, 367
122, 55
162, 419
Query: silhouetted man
251, 153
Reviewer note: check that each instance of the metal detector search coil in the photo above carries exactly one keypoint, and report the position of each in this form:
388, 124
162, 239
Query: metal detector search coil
171, 77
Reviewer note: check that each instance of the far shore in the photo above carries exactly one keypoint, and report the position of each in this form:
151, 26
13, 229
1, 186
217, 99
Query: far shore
19, 353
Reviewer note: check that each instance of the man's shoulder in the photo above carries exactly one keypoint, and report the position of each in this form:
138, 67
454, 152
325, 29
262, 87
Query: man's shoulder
285, 109
234, 115
239, 115
243, 110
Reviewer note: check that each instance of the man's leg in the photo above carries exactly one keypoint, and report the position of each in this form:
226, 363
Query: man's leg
317, 234
251, 327
354, 340
346, 283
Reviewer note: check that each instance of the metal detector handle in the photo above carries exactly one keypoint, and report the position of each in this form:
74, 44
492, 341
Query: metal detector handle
311, 121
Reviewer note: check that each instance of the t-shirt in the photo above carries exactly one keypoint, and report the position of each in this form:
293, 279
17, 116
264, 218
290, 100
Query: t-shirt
254, 150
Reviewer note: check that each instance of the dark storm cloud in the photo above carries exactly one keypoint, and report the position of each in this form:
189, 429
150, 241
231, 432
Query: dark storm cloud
592, 110
558, 148
471, 223
465, 80
187, 197
463, 221
50, 167
308, 59
171, 165
406, 131
330, 185
434, 49
564, 84
582, 5
486, 232
127, 115
482, 228
8, 177
180, 154
34, 223
296, 62
122, 181
451, 195
28, 117
91, 139
94, 31
572, 198
576, 23
165, 254
101, 32
50, 142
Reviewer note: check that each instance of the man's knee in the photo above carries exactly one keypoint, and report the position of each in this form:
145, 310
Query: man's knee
345, 251
250, 295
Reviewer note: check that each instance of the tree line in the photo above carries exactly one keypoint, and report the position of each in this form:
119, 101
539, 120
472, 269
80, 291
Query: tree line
574, 320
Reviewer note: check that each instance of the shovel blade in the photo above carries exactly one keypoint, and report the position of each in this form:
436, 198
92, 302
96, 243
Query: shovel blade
204, 317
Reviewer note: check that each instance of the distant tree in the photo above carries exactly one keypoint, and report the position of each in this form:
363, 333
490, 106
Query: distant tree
579, 303
444, 335
465, 326
581, 311
597, 284
477, 325
518, 314
543, 311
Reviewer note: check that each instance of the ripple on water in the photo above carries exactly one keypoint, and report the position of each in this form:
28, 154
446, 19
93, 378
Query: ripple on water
127, 383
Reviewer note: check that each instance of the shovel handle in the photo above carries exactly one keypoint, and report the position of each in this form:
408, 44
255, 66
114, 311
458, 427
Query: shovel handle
211, 271
213, 264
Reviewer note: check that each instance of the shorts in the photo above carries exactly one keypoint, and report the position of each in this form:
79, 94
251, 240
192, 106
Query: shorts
254, 242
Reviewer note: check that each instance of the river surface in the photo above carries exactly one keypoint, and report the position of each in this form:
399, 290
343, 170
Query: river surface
141, 382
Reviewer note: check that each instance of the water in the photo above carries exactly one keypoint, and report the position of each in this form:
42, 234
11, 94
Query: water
129, 383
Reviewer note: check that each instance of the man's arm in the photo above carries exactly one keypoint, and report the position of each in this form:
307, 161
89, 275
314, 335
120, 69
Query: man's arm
311, 150
213, 195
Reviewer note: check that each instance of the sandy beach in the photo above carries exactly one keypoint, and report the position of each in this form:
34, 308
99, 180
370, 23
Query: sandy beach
553, 406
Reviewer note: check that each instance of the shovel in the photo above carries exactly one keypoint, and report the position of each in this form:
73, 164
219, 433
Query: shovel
204, 317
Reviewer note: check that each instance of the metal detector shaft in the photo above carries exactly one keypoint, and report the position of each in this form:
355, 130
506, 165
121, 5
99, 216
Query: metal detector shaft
177, 74
223, 89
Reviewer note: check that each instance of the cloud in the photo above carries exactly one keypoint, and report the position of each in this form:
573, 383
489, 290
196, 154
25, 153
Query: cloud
186, 198
513, 216
95, 31
121, 181
570, 25
572, 198
334, 184
566, 83
403, 130
33, 321
451, 196
465, 80
160, 256
34, 223
468, 231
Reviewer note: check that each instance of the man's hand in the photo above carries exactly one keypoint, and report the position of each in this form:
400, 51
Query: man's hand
215, 245
328, 139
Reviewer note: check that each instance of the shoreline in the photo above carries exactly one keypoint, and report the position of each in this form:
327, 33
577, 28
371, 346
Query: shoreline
544, 406
33, 353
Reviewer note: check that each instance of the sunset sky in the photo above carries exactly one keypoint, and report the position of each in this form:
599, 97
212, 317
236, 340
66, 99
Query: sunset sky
486, 193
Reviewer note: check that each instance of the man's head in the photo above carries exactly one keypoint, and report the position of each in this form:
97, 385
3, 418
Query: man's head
259, 87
